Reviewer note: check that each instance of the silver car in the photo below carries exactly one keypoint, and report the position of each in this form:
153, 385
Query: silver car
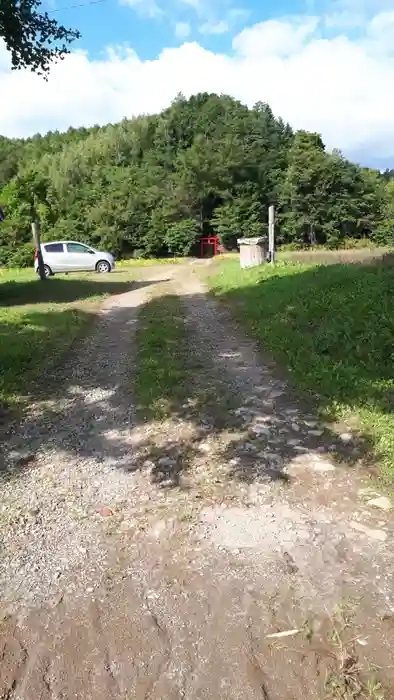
70, 256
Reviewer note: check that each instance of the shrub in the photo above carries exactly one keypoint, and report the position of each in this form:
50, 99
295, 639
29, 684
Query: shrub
181, 236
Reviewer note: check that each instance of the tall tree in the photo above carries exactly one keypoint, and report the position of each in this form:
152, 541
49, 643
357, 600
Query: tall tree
33, 39
302, 192
242, 216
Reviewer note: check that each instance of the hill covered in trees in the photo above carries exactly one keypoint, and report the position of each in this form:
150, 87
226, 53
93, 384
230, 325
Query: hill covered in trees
155, 184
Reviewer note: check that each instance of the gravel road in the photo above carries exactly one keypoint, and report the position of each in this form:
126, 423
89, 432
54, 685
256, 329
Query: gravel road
117, 584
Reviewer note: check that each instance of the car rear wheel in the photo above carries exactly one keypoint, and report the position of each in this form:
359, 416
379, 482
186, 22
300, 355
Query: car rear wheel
103, 266
47, 270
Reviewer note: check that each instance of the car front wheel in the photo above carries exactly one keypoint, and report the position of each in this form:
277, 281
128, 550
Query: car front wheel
103, 266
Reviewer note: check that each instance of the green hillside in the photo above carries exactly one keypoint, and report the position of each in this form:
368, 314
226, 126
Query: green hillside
153, 185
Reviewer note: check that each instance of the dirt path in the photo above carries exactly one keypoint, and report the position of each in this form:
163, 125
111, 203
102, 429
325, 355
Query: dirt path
154, 561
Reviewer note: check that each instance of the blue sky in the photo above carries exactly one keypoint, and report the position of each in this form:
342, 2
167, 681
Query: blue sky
151, 25
323, 65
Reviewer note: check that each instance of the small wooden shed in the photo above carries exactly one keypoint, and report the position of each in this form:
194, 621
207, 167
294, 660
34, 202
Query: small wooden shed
253, 251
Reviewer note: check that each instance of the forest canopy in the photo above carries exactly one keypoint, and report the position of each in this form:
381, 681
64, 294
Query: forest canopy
153, 185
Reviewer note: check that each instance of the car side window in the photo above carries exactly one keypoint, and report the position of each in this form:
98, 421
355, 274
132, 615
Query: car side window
54, 248
77, 248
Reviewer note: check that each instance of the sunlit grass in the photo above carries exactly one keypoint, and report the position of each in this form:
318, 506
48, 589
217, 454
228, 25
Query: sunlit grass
161, 340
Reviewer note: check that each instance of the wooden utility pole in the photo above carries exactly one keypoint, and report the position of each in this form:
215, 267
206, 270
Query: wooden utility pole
35, 229
271, 234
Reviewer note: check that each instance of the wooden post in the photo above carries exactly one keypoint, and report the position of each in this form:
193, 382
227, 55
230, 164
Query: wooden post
271, 233
35, 229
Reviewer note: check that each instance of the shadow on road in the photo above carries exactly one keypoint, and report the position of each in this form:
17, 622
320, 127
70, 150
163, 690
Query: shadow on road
60, 290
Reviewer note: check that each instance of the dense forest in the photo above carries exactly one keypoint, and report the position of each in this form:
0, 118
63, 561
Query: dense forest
153, 185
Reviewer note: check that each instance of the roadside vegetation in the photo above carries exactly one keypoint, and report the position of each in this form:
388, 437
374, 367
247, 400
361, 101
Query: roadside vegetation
39, 322
147, 262
161, 341
332, 328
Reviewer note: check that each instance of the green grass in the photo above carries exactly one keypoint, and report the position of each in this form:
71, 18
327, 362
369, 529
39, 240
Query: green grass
146, 262
160, 384
319, 255
40, 320
332, 328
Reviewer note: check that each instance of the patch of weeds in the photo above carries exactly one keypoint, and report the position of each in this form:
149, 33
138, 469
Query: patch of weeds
346, 684
77, 513
111, 528
161, 378
307, 630
343, 683
348, 679
374, 689
215, 403
189, 515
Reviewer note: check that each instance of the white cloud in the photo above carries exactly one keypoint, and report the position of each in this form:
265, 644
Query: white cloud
380, 32
338, 87
194, 4
364, 6
344, 20
146, 8
275, 37
220, 27
231, 18
182, 30
352, 14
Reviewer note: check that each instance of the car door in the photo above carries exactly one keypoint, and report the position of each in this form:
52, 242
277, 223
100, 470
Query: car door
54, 256
79, 257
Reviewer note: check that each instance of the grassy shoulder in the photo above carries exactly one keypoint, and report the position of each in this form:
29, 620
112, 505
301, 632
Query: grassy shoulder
160, 383
319, 255
39, 322
147, 262
332, 327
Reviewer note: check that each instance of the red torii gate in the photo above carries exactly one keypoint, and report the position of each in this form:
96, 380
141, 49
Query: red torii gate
210, 241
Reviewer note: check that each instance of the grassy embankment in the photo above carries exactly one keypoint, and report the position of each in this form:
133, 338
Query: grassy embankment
332, 328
